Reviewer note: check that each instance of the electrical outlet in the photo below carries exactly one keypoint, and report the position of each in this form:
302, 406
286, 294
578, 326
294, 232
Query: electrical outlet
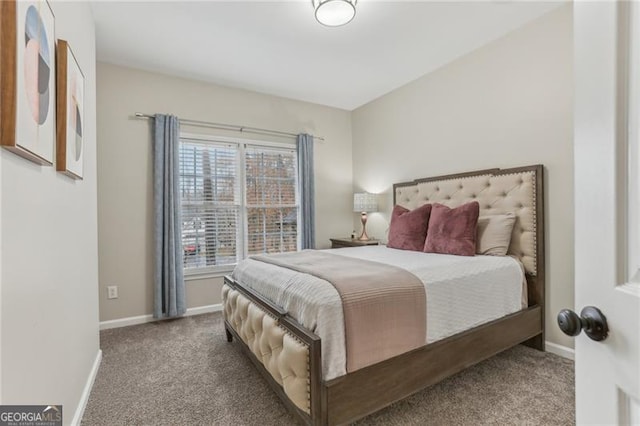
112, 292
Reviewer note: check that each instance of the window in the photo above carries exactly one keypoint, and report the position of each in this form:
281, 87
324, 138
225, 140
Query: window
238, 199
272, 209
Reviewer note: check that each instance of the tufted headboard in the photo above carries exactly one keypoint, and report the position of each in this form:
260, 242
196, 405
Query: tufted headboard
518, 190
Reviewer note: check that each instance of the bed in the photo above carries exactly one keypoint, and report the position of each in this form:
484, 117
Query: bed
298, 347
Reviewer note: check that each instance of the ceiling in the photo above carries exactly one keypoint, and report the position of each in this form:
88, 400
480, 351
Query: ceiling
278, 48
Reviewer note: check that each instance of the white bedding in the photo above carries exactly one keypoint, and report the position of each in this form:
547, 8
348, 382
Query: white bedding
462, 292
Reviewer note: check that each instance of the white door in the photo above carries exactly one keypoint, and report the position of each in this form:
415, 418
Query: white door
607, 208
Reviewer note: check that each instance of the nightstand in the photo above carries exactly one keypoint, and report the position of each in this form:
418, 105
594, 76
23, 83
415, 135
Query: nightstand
352, 242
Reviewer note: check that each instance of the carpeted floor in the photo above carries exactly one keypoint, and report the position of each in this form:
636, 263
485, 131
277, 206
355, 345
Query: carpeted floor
183, 372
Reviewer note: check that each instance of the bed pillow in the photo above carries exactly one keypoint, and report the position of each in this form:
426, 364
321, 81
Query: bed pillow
408, 228
453, 231
494, 234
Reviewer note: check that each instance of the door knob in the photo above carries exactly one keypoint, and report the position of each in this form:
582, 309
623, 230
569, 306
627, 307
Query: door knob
591, 320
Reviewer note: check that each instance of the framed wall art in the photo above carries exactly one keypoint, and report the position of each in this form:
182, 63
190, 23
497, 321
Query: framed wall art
27, 79
70, 112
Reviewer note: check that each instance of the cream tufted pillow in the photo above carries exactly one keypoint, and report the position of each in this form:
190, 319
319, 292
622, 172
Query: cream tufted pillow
494, 234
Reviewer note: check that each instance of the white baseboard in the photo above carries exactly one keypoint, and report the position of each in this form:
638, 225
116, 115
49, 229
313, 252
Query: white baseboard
204, 310
84, 398
560, 350
141, 319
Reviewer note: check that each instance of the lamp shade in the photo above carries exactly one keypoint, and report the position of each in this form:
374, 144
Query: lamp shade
365, 202
334, 13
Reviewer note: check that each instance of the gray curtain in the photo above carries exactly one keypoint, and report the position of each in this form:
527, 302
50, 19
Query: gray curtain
169, 298
307, 192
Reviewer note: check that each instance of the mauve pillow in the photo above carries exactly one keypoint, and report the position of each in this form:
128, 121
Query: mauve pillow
408, 229
453, 231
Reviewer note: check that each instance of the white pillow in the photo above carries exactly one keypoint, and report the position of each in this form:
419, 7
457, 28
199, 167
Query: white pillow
494, 234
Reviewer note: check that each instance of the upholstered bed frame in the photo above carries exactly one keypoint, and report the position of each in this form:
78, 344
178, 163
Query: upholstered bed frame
289, 357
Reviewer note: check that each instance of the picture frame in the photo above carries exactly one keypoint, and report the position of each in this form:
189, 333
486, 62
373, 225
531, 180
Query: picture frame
70, 112
27, 79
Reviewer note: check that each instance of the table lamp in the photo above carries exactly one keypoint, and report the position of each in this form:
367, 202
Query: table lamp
364, 203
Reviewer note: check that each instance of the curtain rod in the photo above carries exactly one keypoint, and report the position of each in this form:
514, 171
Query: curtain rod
232, 127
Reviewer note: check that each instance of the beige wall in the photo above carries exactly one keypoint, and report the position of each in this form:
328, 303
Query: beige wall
49, 257
124, 172
507, 104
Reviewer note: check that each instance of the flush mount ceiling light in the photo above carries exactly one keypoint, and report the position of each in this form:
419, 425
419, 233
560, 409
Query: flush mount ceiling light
334, 13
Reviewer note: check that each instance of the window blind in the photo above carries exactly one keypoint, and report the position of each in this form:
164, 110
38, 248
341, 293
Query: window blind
271, 200
237, 200
209, 186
